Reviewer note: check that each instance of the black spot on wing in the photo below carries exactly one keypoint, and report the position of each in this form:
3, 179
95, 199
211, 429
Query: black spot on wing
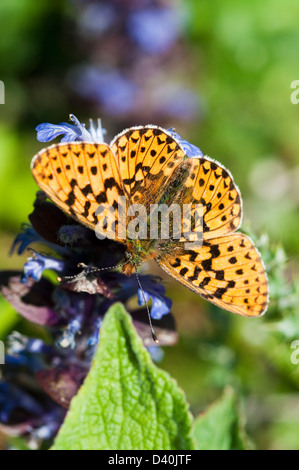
205, 282
183, 271
177, 263
86, 190
195, 275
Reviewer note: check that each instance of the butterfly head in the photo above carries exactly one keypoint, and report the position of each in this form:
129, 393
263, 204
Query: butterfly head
137, 252
134, 259
129, 268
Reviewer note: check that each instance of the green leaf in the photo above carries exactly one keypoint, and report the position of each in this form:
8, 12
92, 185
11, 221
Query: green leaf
220, 427
126, 402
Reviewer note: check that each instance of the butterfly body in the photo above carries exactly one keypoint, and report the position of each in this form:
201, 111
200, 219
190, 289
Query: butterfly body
141, 250
137, 252
147, 166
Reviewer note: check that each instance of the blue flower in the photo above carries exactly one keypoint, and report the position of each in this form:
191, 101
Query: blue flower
22, 359
47, 132
29, 235
96, 18
28, 412
112, 89
191, 150
155, 30
151, 288
156, 353
161, 304
20, 349
68, 338
178, 102
25, 238
12, 398
71, 132
52, 421
37, 264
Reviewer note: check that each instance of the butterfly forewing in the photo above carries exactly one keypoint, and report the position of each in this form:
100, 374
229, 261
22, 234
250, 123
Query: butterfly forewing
80, 177
147, 158
210, 184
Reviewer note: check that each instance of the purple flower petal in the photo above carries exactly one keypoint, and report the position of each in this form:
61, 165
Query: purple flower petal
61, 384
114, 91
32, 300
155, 30
177, 102
89, 281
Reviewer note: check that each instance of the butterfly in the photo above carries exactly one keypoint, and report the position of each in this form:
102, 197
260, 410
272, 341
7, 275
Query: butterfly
148, 165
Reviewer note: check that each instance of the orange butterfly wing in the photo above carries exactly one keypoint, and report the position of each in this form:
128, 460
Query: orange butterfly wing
227, 271
211, 185
78, 178
147, 157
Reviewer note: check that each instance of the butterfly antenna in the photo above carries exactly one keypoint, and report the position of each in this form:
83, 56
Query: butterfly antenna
87, 270
154, 336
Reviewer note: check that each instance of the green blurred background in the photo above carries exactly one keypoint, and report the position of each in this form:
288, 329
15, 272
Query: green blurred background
242, 59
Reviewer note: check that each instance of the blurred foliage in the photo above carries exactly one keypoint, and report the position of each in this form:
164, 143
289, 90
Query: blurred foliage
243, 58
221, 426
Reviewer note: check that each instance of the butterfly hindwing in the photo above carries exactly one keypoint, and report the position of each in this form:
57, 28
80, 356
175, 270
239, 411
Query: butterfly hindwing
227, 271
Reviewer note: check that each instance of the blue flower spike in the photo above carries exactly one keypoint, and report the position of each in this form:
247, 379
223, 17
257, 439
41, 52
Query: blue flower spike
154, 291
37, 264
71, 132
